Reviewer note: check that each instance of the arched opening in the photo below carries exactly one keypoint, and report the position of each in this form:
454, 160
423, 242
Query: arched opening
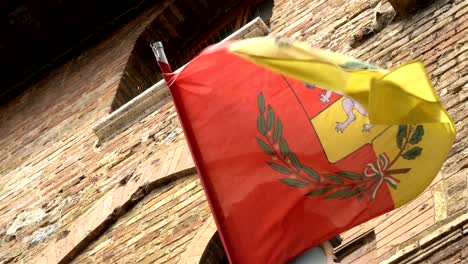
185, 28
214, 252
316, 255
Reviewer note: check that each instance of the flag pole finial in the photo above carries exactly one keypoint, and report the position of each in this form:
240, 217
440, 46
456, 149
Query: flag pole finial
158, 50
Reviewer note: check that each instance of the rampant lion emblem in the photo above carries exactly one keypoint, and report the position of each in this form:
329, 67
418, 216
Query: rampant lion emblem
348, 106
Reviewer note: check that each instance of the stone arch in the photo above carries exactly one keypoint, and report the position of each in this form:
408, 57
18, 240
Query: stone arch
199, 243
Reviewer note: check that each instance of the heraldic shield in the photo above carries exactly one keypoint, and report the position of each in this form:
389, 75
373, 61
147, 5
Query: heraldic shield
294, 145
342, 129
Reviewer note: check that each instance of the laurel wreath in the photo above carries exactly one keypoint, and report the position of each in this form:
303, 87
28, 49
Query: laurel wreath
339, 184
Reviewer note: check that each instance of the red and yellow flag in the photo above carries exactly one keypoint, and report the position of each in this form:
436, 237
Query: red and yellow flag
295, 145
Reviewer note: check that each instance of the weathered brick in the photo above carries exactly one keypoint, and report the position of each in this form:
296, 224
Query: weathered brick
48, 144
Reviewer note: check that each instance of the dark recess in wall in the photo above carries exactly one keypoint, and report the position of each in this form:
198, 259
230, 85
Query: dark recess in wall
40, 35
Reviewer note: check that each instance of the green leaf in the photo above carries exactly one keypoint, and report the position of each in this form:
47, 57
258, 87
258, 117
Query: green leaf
295, 161
284, 148
334, 178
264, 146
358, 65
261, 125
412, 153
270, 118
340, 194
313, 174
278, 131
350, 175
344, 193
318, 192
417, 135
261, 103
402, 130
279, 168
294, 183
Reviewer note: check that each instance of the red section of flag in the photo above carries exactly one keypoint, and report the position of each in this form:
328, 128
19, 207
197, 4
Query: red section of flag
261, 219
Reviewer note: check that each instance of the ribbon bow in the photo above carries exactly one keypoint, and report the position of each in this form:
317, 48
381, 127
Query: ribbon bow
379, 169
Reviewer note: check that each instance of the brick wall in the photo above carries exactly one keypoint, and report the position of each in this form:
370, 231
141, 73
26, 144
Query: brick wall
62, 197
51, 171
158, 229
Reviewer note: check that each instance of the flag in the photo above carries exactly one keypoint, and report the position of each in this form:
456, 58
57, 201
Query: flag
295, 145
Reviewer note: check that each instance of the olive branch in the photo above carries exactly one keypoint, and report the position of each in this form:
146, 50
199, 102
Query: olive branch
337, 185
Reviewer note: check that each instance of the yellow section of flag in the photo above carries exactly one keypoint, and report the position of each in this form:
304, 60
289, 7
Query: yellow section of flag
402, 96
339, 144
